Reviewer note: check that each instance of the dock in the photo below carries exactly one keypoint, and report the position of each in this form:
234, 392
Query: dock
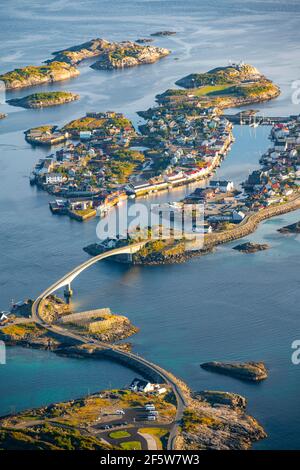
245, 117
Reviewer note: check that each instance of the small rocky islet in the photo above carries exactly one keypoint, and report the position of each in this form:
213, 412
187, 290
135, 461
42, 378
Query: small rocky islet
250, 247
164, 33
44, 100
248, 371
63, 65
293, 228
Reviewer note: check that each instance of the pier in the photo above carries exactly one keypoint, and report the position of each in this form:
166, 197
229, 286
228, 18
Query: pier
248, 117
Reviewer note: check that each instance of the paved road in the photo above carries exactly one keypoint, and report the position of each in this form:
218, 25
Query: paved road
181, 402
151, 442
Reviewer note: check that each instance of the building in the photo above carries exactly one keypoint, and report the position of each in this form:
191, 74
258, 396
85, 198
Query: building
224, 186
54, 178
85, 135
233, 217
140, 385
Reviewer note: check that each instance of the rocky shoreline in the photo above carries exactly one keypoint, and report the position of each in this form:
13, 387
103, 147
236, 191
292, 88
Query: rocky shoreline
216, 420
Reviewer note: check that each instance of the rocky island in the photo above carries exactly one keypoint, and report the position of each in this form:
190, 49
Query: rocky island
164, 33
249, 371
100, 324
63, 65
251, 247
230, 86
112, 54
129, 54
44, 100
293, 228
90, 423
38, 75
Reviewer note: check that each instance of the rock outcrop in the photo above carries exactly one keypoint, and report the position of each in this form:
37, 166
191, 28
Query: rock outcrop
129, 54
249, 371
293, 228
222, 398
217, 421
251, 247
38, 75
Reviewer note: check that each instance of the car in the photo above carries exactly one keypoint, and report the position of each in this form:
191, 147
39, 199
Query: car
153, 413
120, 412
150, 407
151, 418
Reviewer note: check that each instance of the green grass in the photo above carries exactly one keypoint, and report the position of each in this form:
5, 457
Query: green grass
211, 89
131, 445
154, 431
119, 434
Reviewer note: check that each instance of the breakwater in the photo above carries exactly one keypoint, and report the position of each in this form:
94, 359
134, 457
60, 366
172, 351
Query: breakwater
250, 223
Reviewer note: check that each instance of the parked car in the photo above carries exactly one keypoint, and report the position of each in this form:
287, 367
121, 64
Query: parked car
151, 417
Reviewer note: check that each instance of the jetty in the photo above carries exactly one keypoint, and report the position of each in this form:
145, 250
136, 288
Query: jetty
249, 117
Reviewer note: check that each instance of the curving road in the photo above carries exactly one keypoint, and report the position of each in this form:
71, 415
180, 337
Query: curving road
63, 331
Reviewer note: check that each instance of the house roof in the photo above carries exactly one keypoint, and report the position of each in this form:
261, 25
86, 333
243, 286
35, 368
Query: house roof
139, 383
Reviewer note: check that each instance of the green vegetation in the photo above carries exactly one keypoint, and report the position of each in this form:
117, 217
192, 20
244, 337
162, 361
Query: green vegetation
43, 129
21, 331
85, 212
119, 170
191, 419
39, 100
154, 431
91, 123
36, 73
131, 445
119, 434
48, 437
255, 89
212, 89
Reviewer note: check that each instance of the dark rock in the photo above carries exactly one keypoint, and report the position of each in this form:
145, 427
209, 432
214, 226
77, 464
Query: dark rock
250, 371
222, 398
293, 228
251, 247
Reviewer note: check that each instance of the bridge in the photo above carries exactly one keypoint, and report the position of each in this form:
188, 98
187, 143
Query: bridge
132, 360
69, 277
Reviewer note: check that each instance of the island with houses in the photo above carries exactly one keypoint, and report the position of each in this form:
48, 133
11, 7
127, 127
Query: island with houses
105, 160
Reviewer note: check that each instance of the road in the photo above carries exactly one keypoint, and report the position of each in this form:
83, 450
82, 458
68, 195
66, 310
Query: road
63, 331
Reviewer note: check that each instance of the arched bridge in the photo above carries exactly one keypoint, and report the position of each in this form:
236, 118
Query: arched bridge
69, 277
130, 358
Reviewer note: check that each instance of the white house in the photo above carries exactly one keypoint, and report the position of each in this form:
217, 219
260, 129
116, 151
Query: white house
223, 186
53, 178
139, 385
